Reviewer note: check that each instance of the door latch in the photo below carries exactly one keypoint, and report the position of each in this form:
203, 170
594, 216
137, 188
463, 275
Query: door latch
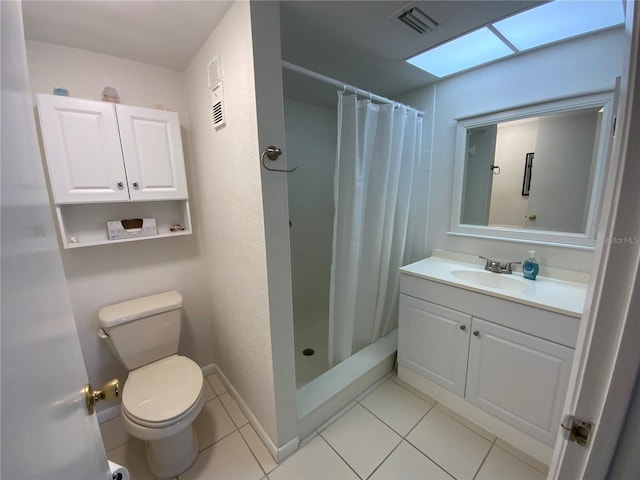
109, 391
579, 429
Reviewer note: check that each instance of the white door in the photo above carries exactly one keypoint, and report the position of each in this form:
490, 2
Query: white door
434, 342
46, 432
518, 378
607, 356
152, 148
82, 147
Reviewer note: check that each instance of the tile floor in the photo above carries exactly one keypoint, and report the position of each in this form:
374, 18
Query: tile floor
391, 431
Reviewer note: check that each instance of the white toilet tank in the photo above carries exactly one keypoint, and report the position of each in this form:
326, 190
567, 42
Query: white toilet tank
143, 330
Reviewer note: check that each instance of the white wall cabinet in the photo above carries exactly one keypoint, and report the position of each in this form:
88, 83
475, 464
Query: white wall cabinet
104, 154
515, 376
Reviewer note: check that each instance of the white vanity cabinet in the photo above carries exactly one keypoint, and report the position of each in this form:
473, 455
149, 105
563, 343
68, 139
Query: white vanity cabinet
434, 341
109, 161
518, 378
492, 352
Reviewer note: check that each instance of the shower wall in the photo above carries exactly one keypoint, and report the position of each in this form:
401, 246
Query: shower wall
310, 133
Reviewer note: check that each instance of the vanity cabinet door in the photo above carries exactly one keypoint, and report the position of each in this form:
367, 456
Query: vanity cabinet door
152, 149
434, 342
82, 147
518, 378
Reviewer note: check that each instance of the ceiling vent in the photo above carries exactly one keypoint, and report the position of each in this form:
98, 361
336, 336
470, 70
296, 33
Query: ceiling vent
418, 20
214, 73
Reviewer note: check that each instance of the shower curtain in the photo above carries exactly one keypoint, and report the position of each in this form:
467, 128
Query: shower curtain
378, 155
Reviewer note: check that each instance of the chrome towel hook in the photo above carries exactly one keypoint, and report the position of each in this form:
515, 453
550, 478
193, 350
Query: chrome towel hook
273, 153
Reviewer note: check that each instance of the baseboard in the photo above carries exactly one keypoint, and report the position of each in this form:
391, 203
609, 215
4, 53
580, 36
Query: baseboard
108, 413
278, 453
208, 370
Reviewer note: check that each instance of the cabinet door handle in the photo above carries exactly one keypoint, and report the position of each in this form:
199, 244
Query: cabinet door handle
135, 185
463, 327
476, 333
120, 185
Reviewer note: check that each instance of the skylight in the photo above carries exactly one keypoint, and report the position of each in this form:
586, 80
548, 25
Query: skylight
559, 20
548, 23
470, 50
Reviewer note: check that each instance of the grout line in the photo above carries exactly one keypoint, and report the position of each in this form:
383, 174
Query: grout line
485, 458
341, 457
251, 450
385, 458
431, 459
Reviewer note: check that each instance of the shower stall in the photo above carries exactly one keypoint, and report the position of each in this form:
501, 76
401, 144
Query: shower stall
355, 202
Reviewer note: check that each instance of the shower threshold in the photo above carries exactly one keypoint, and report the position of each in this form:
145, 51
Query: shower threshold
327, 394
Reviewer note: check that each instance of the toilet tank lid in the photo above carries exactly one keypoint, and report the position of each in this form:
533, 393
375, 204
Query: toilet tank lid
113, 315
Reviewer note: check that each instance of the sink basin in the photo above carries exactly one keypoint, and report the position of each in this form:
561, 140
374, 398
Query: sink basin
498, 281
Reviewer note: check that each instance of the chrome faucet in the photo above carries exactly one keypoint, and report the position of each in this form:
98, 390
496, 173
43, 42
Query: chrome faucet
496, 266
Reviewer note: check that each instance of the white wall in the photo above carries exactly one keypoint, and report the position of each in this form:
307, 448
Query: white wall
311, 146
232, 230
574, 67
513, 142
102, 275
422, 99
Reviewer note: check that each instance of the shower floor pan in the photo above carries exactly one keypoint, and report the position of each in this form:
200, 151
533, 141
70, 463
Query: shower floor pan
326, 395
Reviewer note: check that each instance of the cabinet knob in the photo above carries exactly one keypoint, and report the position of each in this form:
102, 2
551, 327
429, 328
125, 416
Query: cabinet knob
135, 185
463, 327
476, 333
120, 185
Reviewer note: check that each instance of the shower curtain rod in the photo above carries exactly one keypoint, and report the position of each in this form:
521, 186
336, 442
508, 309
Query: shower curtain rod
323, 78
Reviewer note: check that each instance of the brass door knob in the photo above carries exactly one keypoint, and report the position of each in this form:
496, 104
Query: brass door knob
110, 391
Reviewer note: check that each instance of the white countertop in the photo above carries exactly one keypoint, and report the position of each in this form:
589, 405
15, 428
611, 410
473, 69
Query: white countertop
561, 296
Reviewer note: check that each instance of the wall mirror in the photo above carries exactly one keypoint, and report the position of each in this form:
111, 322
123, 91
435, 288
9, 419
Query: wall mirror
533, 173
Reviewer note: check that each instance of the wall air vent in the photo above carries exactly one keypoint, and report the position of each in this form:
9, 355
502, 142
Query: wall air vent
418, 20
214, 73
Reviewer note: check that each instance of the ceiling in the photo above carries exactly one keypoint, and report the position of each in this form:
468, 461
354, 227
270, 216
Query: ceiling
163, 33
361, 43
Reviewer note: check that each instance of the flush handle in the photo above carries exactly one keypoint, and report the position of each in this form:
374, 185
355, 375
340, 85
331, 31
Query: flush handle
110, 391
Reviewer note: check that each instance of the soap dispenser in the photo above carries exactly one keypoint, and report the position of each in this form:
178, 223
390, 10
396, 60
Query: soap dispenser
530, 266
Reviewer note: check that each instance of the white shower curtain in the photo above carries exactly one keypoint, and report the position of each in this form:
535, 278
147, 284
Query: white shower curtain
378, 155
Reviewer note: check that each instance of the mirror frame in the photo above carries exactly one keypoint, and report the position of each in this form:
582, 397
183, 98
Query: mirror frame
586, 240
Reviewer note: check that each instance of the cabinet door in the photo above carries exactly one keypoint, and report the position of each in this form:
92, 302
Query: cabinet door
152, 148
518, 378
82, 149
434, 342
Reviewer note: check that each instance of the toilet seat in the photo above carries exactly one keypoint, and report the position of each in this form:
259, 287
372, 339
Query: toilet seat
160, 393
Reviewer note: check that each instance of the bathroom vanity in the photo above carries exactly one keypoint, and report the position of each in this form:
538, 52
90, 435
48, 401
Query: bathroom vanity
488, 343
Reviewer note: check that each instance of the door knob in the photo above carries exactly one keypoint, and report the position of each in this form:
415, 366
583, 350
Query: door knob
110, 391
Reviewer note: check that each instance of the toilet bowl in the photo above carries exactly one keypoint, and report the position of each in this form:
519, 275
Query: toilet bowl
163, 394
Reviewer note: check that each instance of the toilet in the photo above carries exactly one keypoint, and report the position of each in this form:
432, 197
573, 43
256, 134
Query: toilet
163, 394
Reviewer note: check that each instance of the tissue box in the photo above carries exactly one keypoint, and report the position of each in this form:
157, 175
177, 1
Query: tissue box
131, 228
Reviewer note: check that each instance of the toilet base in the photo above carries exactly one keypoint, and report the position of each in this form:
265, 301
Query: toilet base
171, 456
